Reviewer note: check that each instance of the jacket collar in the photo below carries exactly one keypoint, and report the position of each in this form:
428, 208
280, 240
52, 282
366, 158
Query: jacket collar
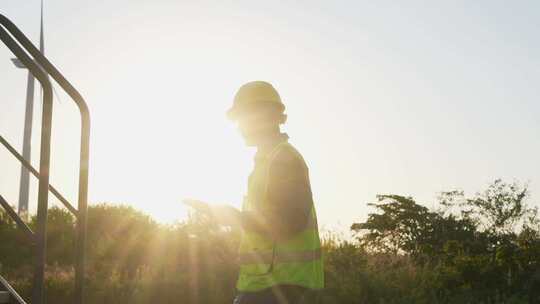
269, 145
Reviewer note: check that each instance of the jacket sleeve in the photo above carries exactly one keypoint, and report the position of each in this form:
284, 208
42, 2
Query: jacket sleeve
288, 194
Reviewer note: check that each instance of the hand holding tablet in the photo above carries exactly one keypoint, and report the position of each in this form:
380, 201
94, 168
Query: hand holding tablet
224, 214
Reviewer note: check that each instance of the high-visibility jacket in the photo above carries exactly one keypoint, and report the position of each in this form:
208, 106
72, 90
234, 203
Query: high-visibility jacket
265, 262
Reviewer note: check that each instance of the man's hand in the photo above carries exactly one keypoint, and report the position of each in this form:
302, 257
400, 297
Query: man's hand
226, 215
223, 214
197, 205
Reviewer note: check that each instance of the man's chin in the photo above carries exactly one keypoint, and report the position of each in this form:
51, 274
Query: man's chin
250, 142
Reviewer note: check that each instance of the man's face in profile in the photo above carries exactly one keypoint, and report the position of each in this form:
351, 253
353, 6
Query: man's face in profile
256, 125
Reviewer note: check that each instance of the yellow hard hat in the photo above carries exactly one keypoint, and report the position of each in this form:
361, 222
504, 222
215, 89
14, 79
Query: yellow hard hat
253, 96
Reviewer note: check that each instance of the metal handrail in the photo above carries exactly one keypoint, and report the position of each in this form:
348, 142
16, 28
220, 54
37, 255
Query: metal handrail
11, 291
16, 218
45, 153
49, 68
34, 172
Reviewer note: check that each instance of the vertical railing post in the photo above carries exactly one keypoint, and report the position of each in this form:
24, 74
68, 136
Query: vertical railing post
43, 196
82, 207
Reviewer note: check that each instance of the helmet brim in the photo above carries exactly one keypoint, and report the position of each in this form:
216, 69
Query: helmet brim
237, 112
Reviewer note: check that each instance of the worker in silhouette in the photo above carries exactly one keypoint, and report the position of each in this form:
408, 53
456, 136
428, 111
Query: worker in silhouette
280, 251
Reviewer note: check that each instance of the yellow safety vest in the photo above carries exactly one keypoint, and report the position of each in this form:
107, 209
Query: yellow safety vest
265, 262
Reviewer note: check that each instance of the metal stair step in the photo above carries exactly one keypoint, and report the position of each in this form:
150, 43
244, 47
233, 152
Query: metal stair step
4, 297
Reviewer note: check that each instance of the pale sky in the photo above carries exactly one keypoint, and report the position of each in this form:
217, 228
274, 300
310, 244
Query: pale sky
382, 97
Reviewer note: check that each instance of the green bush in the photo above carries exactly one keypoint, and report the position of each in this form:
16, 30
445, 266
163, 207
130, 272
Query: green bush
403, 254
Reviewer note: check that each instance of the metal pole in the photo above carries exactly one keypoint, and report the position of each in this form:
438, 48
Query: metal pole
43, 192
24, 186
43, 186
